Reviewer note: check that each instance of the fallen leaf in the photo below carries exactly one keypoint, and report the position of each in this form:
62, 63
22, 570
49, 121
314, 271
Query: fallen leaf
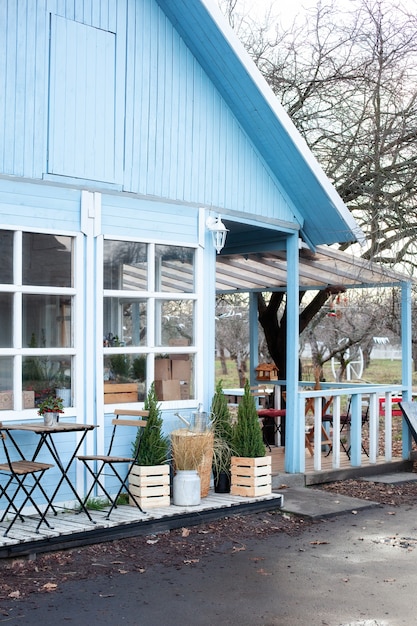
50, 586
240, 549
14, 594
185, 532
263, 572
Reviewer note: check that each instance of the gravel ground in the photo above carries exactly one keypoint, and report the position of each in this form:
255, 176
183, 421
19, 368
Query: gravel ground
178, 548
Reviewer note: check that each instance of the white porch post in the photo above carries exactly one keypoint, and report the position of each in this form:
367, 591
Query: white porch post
294, 425
407, 360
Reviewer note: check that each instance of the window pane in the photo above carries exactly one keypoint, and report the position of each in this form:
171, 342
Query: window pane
174, 375
47, 260
174, 269
6, 373
6, 257
124, 322
124, 378
46, 321
47, 375
6, 320
125, 265
176, 322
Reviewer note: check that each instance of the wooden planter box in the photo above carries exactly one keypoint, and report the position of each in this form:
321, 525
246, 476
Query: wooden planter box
115, 393
251, 476
150, 485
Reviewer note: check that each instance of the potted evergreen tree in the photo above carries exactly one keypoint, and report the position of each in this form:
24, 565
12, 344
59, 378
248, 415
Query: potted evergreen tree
223, 440
149, 477
250, 469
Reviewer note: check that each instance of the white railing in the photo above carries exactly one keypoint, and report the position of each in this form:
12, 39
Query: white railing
358, 394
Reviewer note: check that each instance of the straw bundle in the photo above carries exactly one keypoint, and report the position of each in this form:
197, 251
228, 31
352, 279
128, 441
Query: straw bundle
191, 450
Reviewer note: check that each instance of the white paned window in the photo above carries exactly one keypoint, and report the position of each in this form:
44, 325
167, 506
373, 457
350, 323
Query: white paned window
36, 318
148, 320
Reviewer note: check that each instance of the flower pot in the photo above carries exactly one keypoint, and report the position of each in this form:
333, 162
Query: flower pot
49, 418
186, 488
222, 482
65, 394
149, 484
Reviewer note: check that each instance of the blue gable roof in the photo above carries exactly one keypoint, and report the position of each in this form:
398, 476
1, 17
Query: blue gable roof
208, 36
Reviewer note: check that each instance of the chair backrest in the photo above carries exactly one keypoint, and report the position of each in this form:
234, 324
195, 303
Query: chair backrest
262, 392
129, 422
117, 421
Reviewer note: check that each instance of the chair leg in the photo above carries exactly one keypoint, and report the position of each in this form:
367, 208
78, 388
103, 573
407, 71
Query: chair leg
28, 491
123, 485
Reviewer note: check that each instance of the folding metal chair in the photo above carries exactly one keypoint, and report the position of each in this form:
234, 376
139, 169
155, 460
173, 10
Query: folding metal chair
112, 464
18, 472
345, 425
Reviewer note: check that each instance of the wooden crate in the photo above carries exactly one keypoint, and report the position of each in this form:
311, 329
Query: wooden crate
115, 393
251, 476
150, 485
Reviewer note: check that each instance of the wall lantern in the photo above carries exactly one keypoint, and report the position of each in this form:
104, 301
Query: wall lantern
218, 231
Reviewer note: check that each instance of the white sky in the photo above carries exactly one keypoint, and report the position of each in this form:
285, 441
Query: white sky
287, 9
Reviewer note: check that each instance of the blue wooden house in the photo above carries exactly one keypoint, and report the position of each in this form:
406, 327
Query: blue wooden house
128, 128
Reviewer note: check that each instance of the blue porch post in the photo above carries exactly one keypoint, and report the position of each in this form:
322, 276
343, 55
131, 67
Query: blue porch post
407, 362
253, 335
294, 425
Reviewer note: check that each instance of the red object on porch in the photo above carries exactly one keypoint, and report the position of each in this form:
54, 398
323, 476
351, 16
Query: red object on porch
395, 412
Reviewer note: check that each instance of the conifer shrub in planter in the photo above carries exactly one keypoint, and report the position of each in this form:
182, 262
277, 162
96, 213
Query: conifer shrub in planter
149, 478
250, 468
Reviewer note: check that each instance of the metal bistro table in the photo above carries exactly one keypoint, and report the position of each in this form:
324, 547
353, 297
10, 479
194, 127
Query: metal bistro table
45, 434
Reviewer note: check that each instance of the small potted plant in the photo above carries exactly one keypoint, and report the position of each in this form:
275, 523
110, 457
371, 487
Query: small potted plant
149, 477
251, 470
50, 408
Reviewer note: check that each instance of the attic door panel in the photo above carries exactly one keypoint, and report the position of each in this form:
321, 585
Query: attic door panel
82, 101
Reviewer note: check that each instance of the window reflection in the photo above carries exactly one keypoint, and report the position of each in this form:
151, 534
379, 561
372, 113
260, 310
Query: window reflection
174, 269
46, 321
47, 260
125, 265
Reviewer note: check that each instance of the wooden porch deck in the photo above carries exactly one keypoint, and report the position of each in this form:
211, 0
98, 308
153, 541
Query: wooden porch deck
71, 530
328, 473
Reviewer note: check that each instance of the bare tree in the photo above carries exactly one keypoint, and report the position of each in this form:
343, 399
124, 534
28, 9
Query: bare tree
348, 81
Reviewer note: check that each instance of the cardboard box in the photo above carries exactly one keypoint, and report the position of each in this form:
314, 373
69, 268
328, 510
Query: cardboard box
163, 369
181, 370
184, 390
6, 400
181, 341
28, 399
168, 389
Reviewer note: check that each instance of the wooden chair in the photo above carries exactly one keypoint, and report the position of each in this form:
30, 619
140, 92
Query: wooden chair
18, 473
267, 412
113, 464
325, 417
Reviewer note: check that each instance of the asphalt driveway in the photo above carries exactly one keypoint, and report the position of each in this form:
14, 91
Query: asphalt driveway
358, 568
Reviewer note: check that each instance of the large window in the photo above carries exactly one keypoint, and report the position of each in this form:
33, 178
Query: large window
36, 318
148, 320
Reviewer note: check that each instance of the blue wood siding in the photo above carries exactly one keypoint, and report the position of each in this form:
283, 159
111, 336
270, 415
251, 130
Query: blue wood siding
29, 204
117, 97
82, 127
131, 217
